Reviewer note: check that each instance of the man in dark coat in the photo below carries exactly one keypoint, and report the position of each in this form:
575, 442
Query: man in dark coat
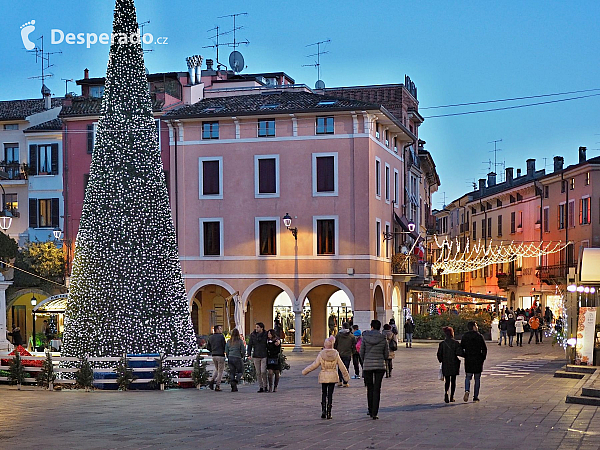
16, 336
475, 352
258, 343
345, 344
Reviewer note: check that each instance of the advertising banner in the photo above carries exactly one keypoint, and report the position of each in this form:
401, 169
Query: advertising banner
586, 325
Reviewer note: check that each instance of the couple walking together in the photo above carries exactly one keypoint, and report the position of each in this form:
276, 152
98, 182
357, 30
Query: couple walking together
473, 349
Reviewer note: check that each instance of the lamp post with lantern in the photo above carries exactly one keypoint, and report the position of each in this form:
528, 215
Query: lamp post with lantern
58, 236
297, 305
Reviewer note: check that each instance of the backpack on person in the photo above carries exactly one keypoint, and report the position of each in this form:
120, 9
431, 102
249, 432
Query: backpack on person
358, 343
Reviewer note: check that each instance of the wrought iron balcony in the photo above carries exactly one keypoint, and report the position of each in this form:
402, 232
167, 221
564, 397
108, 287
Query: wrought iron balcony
13, 171
551, 274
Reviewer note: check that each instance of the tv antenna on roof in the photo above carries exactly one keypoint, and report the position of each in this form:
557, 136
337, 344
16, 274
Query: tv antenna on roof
496, 150
319, 84
44, 59
67, 81
236, 60
141, 27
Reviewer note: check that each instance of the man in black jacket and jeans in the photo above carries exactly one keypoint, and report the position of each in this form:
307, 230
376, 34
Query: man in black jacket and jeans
475, 352
345, 344
258, 343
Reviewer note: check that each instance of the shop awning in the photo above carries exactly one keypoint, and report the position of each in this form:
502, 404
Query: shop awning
589, 268
52, 305
403, 222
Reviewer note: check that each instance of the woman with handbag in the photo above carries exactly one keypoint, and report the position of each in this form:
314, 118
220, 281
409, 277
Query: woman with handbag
235, 351
273, 351
448, 353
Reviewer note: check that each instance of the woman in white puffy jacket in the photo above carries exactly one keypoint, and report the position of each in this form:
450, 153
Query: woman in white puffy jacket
329, 361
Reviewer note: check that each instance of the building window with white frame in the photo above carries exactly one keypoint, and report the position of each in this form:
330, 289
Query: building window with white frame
571, 218
43, 159
267, 237
387, 183
378, 238
377, 177
547, 219
211, 237
585, 211
562, 215
325, 177
266, 176
396, 187
325, 235
211, 177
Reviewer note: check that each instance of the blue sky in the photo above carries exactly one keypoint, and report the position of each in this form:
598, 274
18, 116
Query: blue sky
454, 52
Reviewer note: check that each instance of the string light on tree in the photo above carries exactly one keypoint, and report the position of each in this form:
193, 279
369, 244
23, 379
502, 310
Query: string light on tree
127, 293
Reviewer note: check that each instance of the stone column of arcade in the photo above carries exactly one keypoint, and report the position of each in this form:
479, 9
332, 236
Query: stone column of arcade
298, 333
4, 343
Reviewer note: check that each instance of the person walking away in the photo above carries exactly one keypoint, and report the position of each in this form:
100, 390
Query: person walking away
542, 325
534, 324
273, 351
330, 362
374, 352
510, 329
448, 352
392, 341
520, 329
16, 336
258, 345
216, 347
235, 351
356, 361
345, 344
474, 352
548, 315
503, 326
409, 329
393, 325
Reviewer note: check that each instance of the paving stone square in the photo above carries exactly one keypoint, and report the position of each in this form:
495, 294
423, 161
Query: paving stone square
527, 411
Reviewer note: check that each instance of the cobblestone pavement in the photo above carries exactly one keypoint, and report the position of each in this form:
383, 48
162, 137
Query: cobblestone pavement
522, 407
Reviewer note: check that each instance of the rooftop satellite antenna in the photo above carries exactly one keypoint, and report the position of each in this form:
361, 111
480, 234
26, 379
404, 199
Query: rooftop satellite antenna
67, 81
217, 44
44, 59
236, 60
319, 84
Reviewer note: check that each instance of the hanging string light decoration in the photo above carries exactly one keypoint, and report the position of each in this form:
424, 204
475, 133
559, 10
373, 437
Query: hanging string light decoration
127, 293
453, 259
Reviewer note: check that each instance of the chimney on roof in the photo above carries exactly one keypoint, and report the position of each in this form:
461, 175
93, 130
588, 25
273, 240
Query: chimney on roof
194, 64
530, 167
86, 73
209, 64
509, 175
582, 157
47, 97
491, 179
559, 162
518, 173
481, 184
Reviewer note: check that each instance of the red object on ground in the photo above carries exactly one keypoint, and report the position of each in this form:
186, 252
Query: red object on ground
186, 384
26, 362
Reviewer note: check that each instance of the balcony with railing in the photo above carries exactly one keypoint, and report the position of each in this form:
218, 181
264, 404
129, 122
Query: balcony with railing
552, 274
12, 171
407, 268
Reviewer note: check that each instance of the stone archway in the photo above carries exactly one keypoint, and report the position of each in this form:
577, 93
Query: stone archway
208, 305
258, 300
379, 303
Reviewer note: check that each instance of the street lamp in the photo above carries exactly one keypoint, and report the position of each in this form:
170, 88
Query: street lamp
287, 221
389, 236
33, 300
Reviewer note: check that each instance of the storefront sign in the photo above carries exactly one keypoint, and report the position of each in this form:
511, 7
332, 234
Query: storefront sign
586, 325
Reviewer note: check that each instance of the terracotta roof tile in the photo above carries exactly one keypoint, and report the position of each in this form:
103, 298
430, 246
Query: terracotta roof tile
51, 125
21, 109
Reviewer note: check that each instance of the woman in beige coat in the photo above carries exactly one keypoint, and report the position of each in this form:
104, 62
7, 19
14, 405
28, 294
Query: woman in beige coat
329, 361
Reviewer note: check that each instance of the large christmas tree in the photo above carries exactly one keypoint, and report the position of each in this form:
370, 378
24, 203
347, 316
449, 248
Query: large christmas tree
127, 293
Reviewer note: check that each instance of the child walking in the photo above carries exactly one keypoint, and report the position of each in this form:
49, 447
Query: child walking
329, 360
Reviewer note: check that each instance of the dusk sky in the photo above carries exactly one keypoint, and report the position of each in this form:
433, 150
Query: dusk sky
455, 52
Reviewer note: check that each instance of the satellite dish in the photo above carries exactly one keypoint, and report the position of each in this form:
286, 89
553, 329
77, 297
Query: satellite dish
236, 61
319, 84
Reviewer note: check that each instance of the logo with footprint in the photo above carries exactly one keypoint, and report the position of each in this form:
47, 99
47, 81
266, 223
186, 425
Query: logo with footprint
26, 30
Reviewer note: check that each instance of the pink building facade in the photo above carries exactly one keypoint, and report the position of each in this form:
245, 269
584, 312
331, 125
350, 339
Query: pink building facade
246, 156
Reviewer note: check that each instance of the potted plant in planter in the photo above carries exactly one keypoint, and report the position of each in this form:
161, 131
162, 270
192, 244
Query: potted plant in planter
124, 374
200, 375
162, 374
85, 375
16, 372
47, 375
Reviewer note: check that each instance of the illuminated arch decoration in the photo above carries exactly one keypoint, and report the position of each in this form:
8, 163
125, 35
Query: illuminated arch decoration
454, 259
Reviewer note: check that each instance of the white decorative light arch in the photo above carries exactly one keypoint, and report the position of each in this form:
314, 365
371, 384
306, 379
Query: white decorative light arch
335, 283
272, 282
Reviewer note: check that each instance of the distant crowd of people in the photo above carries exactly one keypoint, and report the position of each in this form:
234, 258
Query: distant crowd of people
517, 323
